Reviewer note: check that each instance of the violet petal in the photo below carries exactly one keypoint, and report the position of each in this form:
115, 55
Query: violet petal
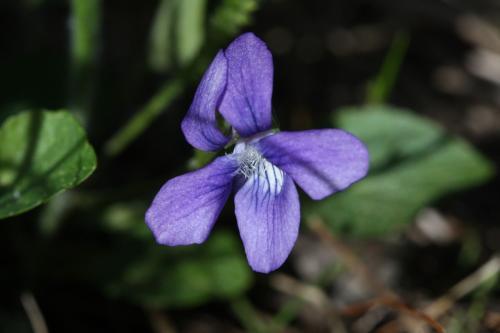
200, 124
321, 162
186, 207
268, 213
246, 104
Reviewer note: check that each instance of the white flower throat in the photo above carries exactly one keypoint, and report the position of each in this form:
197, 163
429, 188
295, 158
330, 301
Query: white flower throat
254, 167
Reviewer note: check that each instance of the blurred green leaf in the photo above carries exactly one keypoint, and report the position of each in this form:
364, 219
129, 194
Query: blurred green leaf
161, 43
390, 133
127, 218
249, 316
199, 159
413, 163
177, 33
157, 276
225, 22
190, 29
184, 276
85, 30
41, 154
231, 15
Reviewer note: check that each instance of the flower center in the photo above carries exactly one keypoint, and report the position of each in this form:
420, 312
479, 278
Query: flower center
249, 160
254, 167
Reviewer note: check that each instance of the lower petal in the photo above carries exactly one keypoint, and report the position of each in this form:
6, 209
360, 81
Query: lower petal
186, 207
268, 213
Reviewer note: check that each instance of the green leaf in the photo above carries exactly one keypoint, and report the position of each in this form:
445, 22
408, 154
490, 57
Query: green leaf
231, 15
161, 43
190, 29
414, 164
389, 133
41, 154
177, 34
85, 32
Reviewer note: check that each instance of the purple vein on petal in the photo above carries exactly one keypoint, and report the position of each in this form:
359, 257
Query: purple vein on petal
246, 104
186, 207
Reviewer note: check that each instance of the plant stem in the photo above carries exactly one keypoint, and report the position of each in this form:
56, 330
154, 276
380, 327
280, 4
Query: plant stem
142, 119
381, 87
84, 30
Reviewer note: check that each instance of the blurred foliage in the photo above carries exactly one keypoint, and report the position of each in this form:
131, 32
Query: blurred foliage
231, 15
177, 33
178, 30
144, 117
161, 48
85, 29
184, 276
380, 88
199, 159
41, 154
181, 276
228, 17
96, 237
145, 273
413, 163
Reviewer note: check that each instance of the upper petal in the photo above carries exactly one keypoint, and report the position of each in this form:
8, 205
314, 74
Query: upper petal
186, 207
321, 162
246, 104
200, 124
268, 213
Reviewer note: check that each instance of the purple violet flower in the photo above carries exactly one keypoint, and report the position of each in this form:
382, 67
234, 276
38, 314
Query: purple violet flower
263, 168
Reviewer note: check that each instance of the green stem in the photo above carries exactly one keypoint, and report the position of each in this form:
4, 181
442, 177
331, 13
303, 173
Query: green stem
142, 119
227, 19
85, 27
477, 309
287, 313
381, 87
248, 316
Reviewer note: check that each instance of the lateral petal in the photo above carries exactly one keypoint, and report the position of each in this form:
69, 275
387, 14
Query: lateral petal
186, 207
246, 104
321, 162
268, 213
200, 124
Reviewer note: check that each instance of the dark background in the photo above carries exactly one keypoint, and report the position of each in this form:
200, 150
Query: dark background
325, 55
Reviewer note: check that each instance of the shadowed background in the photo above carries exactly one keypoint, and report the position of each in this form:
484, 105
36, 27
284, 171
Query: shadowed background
411, 248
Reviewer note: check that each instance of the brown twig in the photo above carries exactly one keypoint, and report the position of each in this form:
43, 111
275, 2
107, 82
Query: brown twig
310, 294
395, 304
385, 296
34, 313
349, 258
413, 313
441, 305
